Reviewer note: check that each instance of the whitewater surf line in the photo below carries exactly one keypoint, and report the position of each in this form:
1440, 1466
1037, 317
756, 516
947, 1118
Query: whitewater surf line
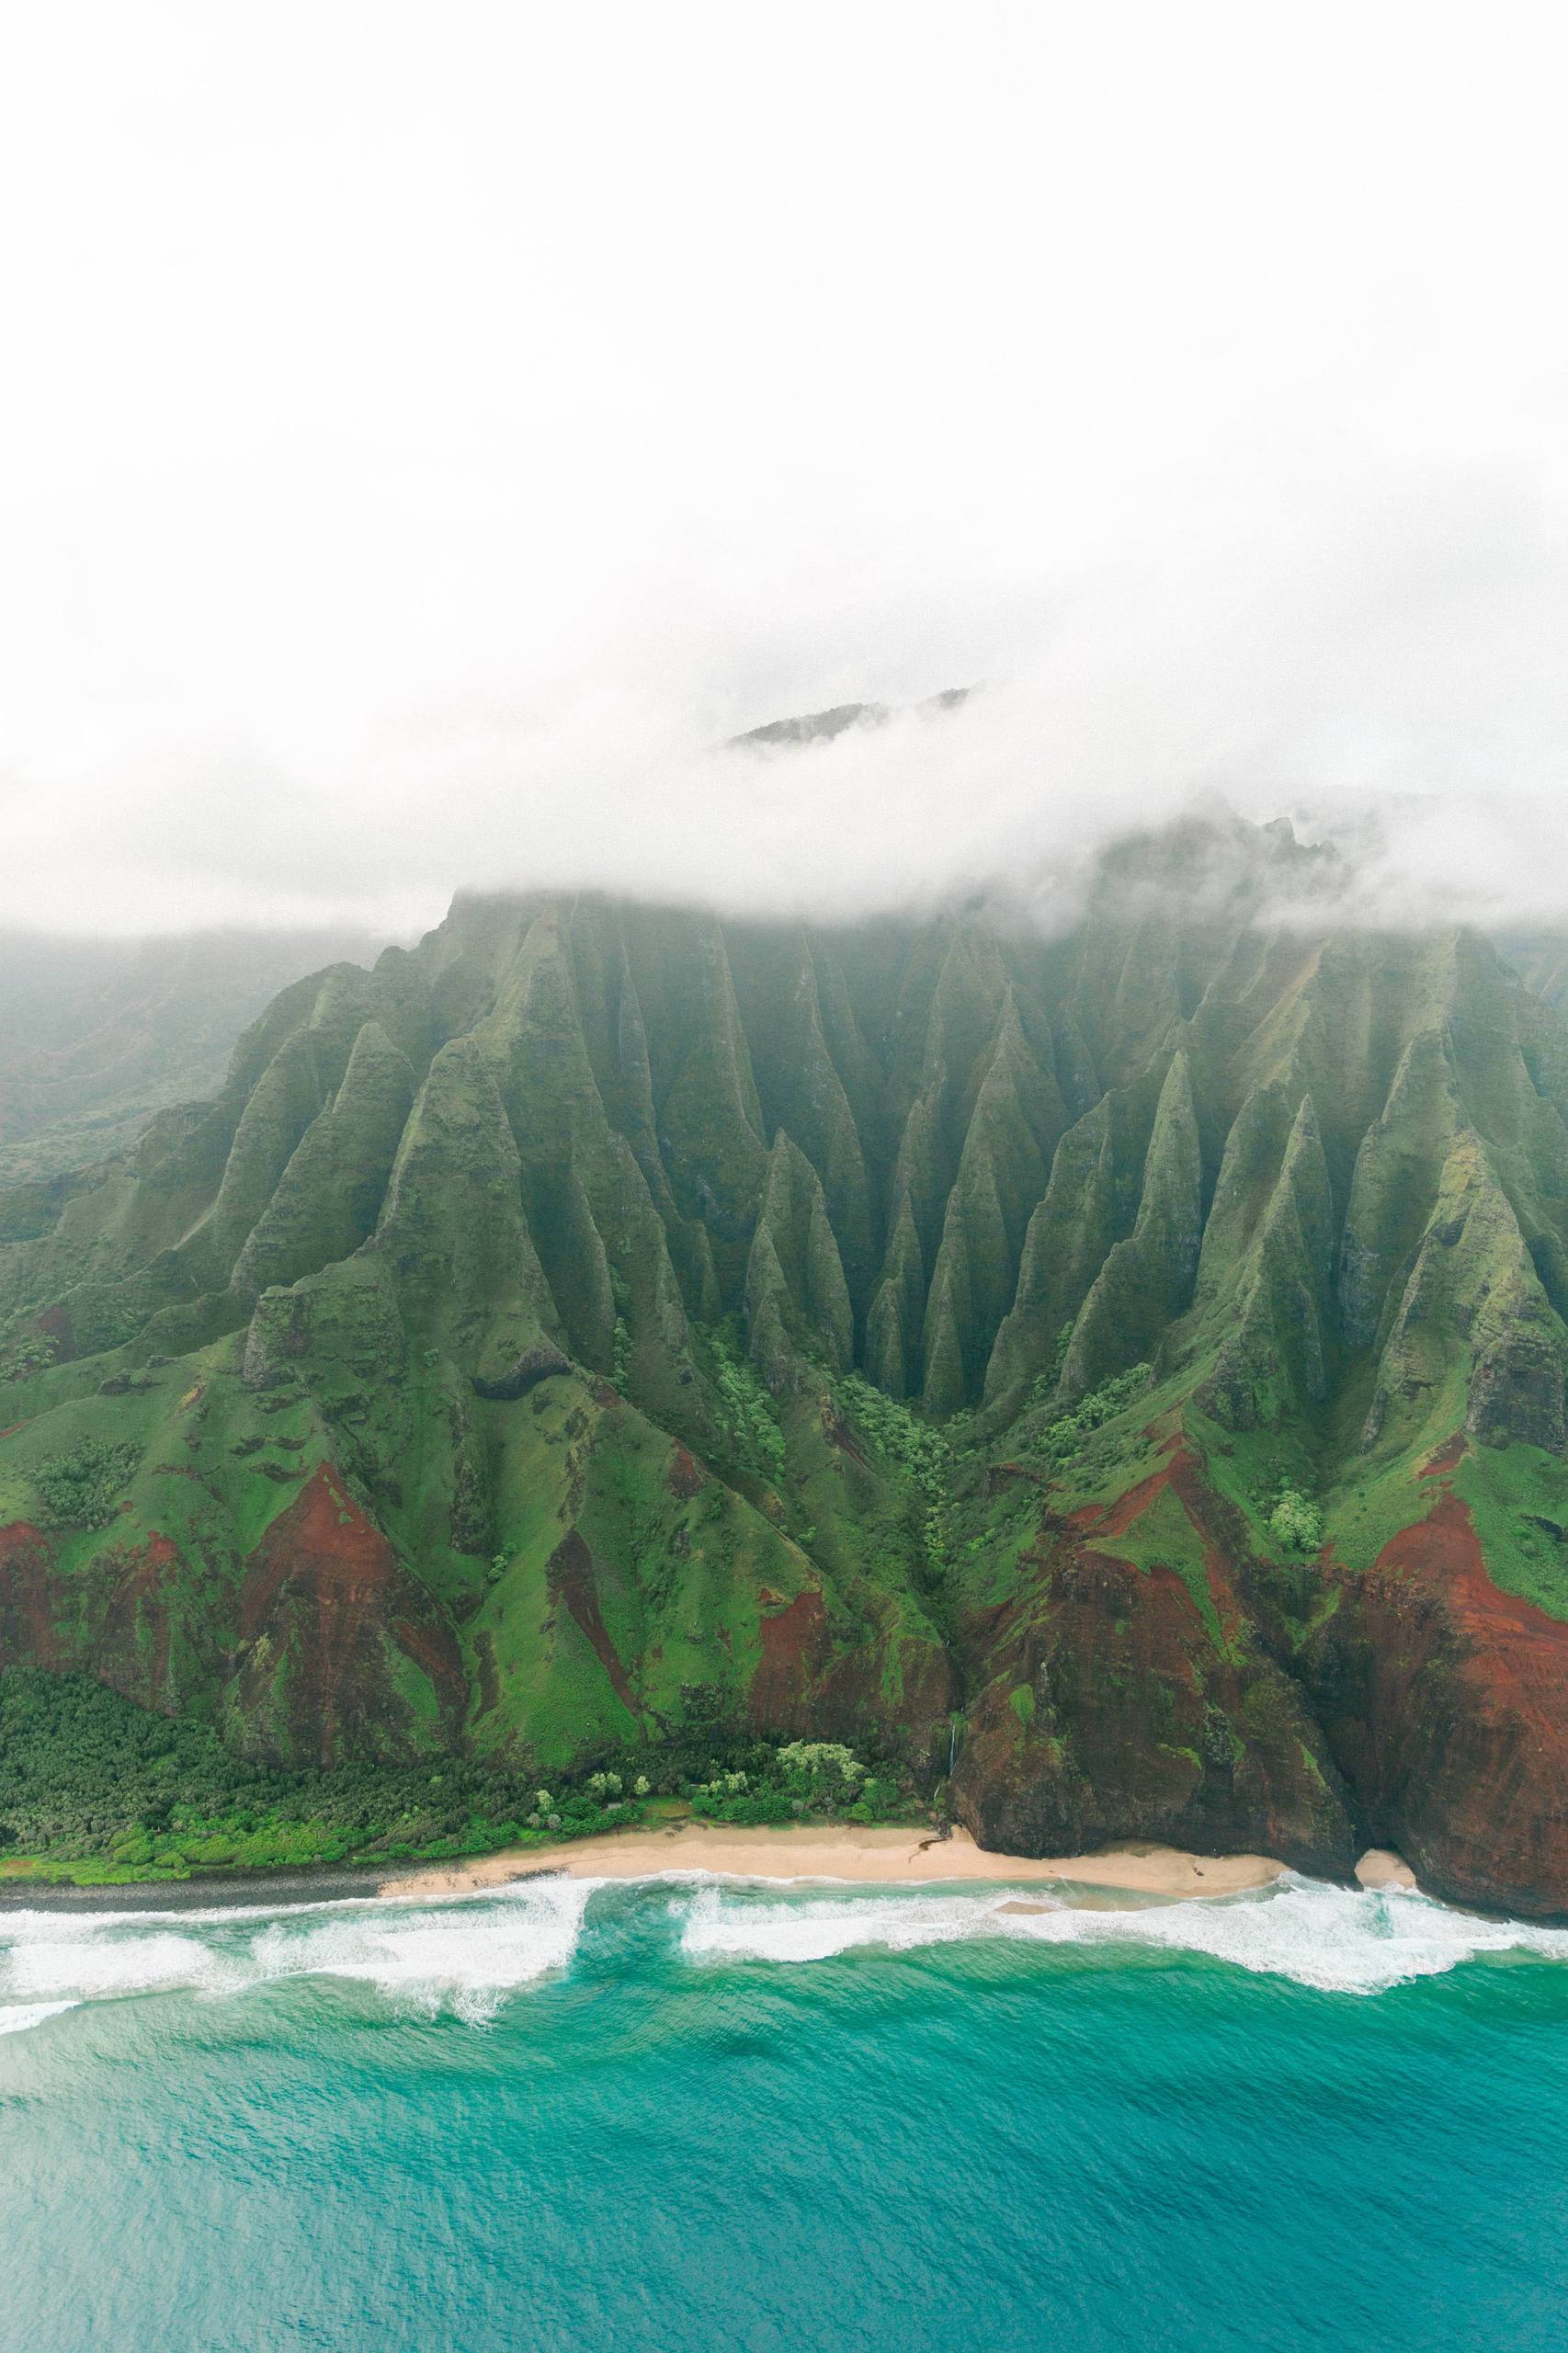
465, 1956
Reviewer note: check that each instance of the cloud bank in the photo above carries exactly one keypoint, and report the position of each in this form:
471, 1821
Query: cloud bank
437, 439
1391, 685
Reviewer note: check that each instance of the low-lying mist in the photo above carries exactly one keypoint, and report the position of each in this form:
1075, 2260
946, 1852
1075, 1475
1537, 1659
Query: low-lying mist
1389, 682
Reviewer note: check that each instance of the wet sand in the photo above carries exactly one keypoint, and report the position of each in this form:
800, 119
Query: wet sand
847, 1851
1381, 1867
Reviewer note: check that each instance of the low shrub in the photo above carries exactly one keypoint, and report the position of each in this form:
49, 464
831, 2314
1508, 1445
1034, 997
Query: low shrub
82, 1489
1062, 1440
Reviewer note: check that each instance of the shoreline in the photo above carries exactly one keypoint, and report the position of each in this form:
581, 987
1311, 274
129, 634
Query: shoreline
888, 1855
332, 1884
881, 1856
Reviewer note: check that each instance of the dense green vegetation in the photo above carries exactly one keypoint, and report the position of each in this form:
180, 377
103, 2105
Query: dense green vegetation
82, 1489
94, 1789
748, 1412
1061, 1440
25, 1353
1295, 1524
931, 1456
801, 1781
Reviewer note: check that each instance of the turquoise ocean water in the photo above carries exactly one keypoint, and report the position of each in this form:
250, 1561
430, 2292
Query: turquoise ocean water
700, 2115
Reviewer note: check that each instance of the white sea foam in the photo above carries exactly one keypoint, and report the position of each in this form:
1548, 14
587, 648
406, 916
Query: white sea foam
468, 1954
101, 1963
17, 2017
1346, 1940
465, 1954
461, 1955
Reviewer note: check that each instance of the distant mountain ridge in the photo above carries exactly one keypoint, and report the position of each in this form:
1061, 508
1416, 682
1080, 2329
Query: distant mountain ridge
97, 1035
1146, 1345
824, 726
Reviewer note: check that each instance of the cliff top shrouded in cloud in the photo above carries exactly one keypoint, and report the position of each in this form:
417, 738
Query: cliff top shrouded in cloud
417, 469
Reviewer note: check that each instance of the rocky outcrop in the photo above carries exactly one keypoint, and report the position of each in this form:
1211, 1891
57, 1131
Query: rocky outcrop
532, 1367
1444, 1703
1129, 1693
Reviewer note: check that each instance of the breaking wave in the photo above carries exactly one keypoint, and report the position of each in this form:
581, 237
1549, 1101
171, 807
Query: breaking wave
467, 1955
464, 1954
17, 2017
1342, 1941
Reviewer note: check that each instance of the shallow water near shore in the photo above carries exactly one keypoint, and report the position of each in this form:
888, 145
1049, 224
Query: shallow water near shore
708, 2113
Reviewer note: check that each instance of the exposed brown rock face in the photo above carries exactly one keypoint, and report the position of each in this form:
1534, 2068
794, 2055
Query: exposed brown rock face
898, 1694
1110, 1705
685, 1476
122, 1628
1445, 1702
26, 1630
327, 1616
1429, 1712
795, 1648
574, 1585
136, 1638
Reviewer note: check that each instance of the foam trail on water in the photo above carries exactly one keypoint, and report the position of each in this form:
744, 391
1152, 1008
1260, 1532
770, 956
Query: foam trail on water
1345, 1941
724, 1922
463, 1957
464, 1954
17, 2017
97, 1965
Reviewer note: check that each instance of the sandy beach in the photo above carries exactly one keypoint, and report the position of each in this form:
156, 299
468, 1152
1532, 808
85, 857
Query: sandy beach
842, 1851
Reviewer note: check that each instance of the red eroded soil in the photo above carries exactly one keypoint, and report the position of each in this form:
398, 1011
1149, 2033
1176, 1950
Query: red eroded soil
325, 1587
1445, 1548
860, 1687
685, 1477
1114, 1519
1449, 1455
322, 1538
1446, 1701
27, 1632
1104, 1708
572, 1579
794, 1651
1184, 1475
1218, 1530
139, 1595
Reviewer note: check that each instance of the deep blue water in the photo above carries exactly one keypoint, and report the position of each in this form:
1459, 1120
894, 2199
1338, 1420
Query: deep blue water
705, 2116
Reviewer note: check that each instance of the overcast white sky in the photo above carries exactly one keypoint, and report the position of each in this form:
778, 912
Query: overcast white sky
424, 431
